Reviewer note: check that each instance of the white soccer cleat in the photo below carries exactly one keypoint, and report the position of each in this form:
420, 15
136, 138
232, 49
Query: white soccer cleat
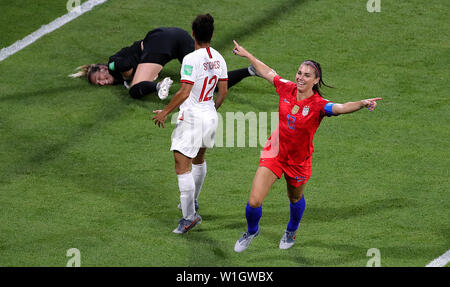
288, 239
243, 242
163, 88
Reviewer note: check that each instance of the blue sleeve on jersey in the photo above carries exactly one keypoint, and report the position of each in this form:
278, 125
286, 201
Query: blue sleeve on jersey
329, 109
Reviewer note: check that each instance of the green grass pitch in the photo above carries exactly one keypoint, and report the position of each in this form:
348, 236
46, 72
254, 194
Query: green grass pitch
85, 167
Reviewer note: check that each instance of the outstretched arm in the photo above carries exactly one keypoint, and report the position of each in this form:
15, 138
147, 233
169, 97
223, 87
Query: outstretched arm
177, 100
351, 107
262, 69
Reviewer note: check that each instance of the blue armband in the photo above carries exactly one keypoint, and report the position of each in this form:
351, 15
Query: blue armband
329, 109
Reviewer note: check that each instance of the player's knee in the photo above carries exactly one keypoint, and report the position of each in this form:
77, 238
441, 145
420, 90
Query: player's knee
254, 202
181, 168
198, 161
294, 200
182, 164
134, 92
200, 158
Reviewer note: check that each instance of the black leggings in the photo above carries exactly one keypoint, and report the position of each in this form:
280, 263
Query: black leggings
236, 76
144, 88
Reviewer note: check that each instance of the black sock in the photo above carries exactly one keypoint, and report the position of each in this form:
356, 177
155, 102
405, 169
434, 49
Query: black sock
141, 89
236, 76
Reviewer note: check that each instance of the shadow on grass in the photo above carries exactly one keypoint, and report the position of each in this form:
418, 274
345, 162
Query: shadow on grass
204, 250
378, 206
352, 254
41, 152
348, 253
49, 92
257, 24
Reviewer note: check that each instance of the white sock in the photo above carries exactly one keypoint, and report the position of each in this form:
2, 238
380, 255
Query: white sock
199, 174
186, 185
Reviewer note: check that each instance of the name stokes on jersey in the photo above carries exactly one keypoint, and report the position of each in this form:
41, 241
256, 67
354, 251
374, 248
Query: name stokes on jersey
211, 65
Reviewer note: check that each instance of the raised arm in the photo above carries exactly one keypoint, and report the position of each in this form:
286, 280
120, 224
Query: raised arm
351, 107
262, 69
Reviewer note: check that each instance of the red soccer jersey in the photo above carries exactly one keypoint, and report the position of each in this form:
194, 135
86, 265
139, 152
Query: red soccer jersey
298, 122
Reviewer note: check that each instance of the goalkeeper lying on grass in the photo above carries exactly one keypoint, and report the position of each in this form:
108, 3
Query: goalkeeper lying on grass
141, 63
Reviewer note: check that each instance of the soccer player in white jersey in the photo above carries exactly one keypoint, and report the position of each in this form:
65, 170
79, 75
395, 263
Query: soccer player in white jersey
201, 71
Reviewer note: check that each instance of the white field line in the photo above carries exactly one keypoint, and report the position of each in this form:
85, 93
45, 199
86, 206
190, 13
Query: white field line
45, 29
441, 261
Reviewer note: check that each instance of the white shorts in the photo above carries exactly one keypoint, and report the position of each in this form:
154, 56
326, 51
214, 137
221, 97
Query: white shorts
194, 130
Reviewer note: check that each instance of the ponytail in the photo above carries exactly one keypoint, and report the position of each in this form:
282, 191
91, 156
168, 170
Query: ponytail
82, 71
86, 71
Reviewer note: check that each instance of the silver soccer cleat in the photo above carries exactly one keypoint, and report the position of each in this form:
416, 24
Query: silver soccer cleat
184, 225
245, 241
288, 239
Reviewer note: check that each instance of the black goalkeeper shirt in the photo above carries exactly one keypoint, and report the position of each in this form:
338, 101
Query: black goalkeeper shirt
168, 42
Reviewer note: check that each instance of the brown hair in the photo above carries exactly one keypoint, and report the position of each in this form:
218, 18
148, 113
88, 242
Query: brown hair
318, 73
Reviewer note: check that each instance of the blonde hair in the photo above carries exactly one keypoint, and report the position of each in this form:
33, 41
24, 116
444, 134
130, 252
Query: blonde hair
82, 71
86, 71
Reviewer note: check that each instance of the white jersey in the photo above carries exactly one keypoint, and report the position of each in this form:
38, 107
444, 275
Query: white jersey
203, 69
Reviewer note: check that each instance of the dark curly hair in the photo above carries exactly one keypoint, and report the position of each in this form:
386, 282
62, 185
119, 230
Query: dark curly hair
203, 28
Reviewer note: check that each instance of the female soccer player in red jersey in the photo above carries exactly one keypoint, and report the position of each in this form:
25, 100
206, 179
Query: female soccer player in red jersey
289, 149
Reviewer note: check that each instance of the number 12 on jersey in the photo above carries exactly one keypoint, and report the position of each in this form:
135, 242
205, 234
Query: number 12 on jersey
207, 83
